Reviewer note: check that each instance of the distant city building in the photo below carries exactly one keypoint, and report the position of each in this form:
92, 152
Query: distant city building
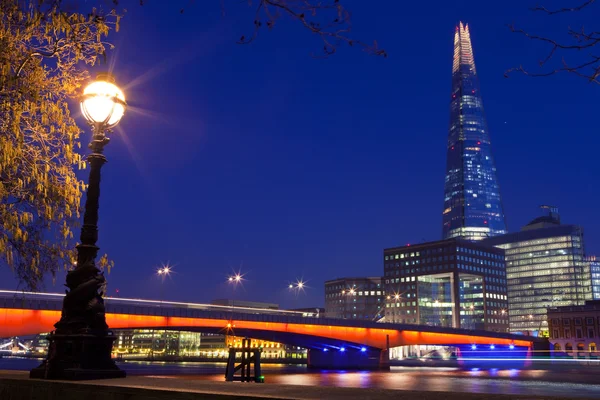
171, 345
545, 268
167, 344
354, 298
451, 283
243, 303
149, 343
594, 264
472, 204
312, 312
575, 330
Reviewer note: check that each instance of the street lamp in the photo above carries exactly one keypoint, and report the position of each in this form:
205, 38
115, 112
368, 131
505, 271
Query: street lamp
297, 286
80, 347
235, 279
164, 272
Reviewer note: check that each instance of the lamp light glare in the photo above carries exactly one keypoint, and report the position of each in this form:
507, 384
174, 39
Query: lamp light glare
103, 102
342, 349
512, 346
363, 349
492, 347
473, 347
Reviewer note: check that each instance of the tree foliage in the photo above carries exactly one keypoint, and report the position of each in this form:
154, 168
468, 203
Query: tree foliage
44, 52
576, 48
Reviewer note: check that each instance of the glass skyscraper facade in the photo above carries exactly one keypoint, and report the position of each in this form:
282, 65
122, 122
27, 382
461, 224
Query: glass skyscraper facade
472, 204
594, 263
545, 268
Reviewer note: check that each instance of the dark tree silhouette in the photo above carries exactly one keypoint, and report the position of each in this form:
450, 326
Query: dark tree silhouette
328, 19
576, 48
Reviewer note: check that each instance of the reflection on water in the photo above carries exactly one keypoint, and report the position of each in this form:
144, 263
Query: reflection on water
511, 381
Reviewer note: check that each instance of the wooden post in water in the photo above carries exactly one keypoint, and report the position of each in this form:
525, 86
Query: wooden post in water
249, 356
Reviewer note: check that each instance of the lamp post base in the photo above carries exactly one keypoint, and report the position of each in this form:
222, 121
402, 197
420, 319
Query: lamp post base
78, 357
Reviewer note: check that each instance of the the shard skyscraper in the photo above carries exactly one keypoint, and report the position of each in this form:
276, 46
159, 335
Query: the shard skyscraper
472, 203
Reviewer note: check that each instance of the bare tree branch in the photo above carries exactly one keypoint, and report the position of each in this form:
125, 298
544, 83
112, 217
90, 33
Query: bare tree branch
327, 19
563, 10
586, 66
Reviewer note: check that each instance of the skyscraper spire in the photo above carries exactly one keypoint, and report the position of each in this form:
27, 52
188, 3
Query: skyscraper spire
463, 52
472, 203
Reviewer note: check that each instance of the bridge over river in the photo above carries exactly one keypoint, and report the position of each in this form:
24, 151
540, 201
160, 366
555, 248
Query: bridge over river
330, 342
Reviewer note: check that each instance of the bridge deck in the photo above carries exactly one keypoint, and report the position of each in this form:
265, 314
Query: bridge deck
140, 313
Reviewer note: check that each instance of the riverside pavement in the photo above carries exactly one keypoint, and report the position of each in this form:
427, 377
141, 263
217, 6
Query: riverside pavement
16, 385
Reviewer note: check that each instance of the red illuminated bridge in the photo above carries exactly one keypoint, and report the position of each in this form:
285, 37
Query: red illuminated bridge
24, 313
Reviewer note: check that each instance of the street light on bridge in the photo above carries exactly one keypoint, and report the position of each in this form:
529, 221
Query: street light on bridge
235, 278
163, 272
297, 286
80, 347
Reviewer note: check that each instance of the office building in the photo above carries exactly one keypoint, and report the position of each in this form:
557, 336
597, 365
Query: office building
575, 330
244, 303
545, 268
594, 265
450, 283
354, 298
472, 203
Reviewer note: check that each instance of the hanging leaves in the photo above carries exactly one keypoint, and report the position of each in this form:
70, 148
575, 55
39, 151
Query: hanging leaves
44, 51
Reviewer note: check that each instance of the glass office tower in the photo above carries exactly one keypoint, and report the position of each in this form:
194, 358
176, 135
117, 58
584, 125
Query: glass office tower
545, 268
472, 204
594, 265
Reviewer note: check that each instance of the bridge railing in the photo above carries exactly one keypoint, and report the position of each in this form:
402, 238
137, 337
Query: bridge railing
52, 301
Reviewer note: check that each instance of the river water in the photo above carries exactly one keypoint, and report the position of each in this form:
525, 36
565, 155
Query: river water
566, 382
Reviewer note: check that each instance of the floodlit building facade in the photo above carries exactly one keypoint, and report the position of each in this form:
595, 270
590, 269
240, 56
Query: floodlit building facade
472, 203
575, 330
450, 283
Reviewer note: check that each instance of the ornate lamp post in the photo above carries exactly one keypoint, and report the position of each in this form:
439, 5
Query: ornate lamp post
80, 347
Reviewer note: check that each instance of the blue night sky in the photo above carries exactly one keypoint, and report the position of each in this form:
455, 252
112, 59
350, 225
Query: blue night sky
263, 158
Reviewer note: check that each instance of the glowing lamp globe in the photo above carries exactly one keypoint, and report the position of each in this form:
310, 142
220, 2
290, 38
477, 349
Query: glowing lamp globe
103, 103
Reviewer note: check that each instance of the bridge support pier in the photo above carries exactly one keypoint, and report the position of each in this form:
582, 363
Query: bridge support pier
349, 358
